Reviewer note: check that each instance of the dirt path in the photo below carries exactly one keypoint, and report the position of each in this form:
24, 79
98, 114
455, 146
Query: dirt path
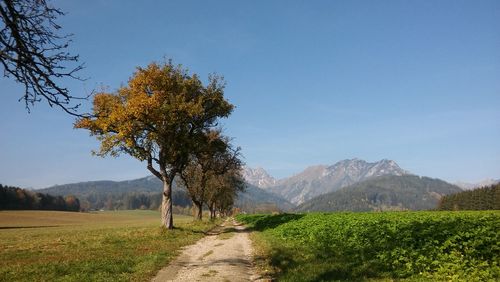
224, 255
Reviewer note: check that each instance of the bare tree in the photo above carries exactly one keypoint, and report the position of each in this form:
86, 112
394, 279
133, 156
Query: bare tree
34, 54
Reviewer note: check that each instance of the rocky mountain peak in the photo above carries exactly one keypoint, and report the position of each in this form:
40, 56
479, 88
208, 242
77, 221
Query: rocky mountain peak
356, 169
258, 177
317, 180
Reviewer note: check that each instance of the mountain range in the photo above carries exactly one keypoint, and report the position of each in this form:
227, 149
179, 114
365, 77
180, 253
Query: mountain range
322, 179
351, 184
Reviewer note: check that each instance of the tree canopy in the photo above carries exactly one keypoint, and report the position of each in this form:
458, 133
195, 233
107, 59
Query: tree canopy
162, 116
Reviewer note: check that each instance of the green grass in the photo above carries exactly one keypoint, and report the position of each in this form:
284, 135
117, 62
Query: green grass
102, 246
403, 246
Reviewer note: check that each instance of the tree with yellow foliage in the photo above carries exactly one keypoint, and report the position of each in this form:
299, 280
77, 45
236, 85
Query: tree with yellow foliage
161, 116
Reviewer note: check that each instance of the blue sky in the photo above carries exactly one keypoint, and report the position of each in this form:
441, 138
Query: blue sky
313, 82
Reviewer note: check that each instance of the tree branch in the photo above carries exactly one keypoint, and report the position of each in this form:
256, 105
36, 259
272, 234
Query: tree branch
152, 169
32, 53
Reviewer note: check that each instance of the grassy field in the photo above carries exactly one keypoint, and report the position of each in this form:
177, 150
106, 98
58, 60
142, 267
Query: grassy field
100, 246
402, 246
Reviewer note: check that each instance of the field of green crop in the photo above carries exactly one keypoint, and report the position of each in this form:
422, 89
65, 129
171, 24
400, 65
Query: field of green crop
412, 246
101, 246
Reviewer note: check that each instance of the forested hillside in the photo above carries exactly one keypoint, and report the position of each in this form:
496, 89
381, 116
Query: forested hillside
390, 192
142, 193
485, 198
145, 193
256, 200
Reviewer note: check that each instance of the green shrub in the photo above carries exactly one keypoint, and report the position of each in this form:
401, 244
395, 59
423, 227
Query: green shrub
394, 245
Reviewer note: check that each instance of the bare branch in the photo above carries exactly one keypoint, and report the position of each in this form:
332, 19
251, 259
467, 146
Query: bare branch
152, 169
35, 55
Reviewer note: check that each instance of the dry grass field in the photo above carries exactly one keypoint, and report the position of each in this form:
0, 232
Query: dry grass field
99, 246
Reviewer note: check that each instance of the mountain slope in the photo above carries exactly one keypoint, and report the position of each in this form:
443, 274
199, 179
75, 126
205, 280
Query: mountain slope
318, 180
389, 192
255, 199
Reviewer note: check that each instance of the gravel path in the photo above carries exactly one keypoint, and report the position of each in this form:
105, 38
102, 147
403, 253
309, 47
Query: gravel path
224, 255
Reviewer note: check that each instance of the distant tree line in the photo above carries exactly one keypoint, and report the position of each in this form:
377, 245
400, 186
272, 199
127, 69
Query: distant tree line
131, 201
259, 208
14, 198
109, 197
485, 198
182, 203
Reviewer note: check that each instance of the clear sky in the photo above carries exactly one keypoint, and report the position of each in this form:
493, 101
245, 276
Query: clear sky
314, 82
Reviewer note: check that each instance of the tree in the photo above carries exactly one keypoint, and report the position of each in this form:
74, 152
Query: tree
226, 182
35, 55
160, 117
193, 179
213, 158
224, 189
72, 203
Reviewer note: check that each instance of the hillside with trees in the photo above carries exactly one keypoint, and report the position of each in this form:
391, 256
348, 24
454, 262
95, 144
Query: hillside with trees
143, 193
485, 198
257, 200
119, 195
390, 192
15, 198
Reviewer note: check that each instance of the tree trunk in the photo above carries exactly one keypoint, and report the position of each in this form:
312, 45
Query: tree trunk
212, 211
166, 205
199, 213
